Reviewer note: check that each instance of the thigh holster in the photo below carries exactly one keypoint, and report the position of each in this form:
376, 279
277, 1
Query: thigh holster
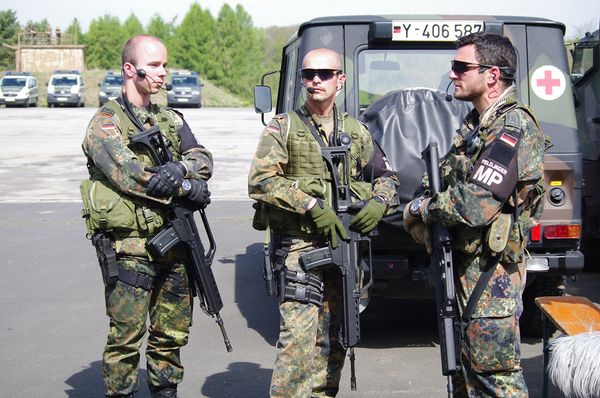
301, 286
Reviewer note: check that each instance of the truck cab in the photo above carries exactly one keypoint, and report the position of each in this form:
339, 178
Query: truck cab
585, 75
397, 84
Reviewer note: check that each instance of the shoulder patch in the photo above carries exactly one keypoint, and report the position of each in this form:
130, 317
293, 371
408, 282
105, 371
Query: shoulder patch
512, 120
106, 111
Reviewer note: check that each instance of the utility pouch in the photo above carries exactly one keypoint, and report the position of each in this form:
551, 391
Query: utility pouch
105, 209
498, 233
107, 258
260, 220
316, 258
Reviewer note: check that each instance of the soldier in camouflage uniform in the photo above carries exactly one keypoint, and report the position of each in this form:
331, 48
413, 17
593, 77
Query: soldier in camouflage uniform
292, 185
124, 200
496, 162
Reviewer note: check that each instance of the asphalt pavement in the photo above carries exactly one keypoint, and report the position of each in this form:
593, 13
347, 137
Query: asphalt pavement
53, 326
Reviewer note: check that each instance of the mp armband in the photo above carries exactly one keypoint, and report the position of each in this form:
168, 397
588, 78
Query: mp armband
497, 170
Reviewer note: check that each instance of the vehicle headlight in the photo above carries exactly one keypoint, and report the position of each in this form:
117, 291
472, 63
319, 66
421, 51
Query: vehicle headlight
195, 92
75, 90
50, 88
103, 94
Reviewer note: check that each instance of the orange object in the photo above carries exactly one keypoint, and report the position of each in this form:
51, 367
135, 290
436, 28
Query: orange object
571, 314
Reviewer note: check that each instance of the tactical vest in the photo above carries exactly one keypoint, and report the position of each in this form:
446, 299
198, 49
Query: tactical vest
456, 168
308, 169
107, 209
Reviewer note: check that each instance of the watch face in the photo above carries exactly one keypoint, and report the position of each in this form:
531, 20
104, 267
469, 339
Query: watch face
414, 207
186, 185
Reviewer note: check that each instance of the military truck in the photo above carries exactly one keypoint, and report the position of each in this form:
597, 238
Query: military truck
585, 75
397, 84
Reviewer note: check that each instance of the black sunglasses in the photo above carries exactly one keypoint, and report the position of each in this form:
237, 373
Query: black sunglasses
324, 74
460, 67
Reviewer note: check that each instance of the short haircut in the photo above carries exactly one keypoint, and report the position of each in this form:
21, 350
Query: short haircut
129, 49
493, 49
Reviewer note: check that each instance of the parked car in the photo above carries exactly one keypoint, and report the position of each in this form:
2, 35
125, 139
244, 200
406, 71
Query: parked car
18, 88
66, 87
186, 90
110, 87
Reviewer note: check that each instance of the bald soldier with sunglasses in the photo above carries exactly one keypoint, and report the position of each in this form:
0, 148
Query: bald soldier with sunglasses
292, 185
493, 177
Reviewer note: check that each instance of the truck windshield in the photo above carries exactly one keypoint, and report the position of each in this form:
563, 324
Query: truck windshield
583, 61
386, 70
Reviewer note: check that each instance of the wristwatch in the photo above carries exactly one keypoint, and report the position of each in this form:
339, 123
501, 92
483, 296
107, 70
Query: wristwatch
186, 185
380, 199
415, 207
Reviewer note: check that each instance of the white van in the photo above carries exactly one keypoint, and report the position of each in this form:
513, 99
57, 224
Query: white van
66, 87
18, 89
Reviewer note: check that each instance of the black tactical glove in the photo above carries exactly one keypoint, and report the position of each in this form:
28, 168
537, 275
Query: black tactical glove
197, 192
167, 179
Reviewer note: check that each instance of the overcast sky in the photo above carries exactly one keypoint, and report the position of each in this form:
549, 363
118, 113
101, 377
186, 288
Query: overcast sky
575, 14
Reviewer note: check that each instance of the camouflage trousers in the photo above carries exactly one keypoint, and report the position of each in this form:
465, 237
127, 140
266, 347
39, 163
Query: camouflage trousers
309, 355
169, 307
491, 354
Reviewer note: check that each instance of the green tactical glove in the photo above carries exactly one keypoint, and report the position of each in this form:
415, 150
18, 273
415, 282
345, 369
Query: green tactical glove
369, 216
327, 222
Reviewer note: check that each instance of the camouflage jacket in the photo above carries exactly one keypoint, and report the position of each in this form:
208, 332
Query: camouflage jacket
267, 180
466, 206
107, 147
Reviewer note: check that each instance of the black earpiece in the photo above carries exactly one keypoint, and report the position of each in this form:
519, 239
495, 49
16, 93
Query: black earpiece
141, 73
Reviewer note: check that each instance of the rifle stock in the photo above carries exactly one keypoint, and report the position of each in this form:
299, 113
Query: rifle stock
182, 229
441, 259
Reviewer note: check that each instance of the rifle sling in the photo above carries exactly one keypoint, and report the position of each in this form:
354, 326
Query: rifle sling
482, 282
311, 127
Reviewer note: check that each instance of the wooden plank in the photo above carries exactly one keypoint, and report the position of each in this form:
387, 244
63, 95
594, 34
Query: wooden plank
571, 314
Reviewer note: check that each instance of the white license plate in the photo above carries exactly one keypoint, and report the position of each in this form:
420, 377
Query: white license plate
61, 99
433, 30
9, 99
182, 100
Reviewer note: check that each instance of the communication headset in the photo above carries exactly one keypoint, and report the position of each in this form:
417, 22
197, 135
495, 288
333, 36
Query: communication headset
141, 73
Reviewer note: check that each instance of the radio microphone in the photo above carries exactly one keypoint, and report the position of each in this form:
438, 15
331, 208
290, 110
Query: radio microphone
311, 90
448, 96
142, 75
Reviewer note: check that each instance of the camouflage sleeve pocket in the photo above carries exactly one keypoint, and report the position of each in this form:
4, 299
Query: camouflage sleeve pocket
492, 334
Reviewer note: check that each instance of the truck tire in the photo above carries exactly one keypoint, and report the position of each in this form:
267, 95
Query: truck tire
531, 320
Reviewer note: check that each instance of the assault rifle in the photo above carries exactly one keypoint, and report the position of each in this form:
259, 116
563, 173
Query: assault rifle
441, 260
182, 229
346, 256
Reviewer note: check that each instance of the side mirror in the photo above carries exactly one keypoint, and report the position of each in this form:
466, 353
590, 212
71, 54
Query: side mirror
262, 99
98, 84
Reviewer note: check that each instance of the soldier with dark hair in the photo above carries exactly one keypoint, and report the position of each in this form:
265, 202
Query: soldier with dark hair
124, 205
493, 177
293, 186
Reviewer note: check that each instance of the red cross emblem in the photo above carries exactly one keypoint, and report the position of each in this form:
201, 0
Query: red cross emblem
548, 82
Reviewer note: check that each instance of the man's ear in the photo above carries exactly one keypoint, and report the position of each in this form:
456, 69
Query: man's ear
494, 74
128, 69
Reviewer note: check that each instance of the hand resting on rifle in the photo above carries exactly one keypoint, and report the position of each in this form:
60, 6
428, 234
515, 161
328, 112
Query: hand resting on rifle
327, 222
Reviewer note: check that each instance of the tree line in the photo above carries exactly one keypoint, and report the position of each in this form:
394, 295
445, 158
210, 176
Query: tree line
227, 49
